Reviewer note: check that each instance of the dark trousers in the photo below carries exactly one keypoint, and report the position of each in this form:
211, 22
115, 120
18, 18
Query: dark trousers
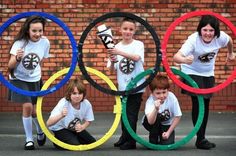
73, 138
132, 110
156, 130
195, 111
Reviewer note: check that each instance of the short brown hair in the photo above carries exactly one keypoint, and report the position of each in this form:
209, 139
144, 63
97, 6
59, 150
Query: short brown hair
70, 88
128, 19
159, 82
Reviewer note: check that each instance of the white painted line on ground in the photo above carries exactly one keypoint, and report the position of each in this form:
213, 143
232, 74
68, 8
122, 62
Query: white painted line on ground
143, 136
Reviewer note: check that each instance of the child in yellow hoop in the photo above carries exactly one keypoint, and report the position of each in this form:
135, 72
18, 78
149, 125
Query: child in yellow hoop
72, 115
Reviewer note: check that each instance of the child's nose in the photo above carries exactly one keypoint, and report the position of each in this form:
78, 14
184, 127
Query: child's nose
162, 95
38, 33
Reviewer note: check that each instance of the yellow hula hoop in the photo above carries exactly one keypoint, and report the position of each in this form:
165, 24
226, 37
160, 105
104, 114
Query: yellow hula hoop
117, 111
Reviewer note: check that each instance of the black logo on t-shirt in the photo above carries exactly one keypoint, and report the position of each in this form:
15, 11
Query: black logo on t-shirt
31, 61
165, 115
205, 58
72, 124
127, 66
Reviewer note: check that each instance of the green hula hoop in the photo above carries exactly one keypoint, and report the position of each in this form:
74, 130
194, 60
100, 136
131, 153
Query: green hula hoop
179, 143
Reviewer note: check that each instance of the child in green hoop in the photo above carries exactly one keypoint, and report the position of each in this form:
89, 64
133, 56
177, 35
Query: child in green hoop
162, 112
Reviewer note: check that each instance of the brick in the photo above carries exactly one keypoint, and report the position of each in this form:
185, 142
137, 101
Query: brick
77, 14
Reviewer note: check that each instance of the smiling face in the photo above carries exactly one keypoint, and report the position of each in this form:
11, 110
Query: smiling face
76, 97
35, 31
208, 33
127, 31
160, 94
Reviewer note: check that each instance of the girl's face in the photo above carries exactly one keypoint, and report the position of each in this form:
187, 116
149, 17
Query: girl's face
208, 33
76, 97
127, 30
160, 94
35, 31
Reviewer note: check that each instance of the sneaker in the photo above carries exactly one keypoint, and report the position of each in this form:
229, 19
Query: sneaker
29, 145
127, 146
205, 144
41, 142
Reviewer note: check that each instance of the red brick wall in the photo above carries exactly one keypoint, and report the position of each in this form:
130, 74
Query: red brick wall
77, 14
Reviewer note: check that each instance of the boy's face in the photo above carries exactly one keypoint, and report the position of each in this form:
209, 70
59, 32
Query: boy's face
160, 94
127, 30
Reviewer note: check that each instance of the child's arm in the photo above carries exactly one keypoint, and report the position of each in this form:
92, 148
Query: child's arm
115, 51
15, 59
151, 117
180, 58
230, 54
165, 135
54, 119
111, 66
80, 127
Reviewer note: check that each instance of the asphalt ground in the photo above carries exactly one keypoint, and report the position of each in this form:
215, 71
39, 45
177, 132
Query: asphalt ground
221, 130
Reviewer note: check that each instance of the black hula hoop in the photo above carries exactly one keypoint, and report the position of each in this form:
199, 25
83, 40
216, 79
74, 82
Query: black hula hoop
102, 18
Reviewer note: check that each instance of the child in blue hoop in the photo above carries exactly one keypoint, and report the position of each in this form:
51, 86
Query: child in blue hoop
30, 47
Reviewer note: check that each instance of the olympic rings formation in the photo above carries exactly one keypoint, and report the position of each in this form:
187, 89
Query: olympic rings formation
74, 54
165, 62
178, 143
113, 91
102, 18
117, 110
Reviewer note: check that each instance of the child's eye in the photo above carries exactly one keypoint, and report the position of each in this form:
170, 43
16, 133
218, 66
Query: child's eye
34, 31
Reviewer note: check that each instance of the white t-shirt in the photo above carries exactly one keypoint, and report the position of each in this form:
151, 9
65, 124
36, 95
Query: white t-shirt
126, 68
204, 54
170, 107
85, 113
29, 68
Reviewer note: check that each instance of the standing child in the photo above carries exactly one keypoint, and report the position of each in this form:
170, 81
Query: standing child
72, 115
130, 56
30, 47
162, 112
197, 58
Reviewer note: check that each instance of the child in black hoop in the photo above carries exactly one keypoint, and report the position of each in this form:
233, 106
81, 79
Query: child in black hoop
127, 58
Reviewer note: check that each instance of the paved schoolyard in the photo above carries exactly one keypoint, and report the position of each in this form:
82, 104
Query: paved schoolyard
221, 130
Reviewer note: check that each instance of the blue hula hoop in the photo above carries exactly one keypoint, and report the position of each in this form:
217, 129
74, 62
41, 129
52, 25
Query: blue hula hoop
74, 54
